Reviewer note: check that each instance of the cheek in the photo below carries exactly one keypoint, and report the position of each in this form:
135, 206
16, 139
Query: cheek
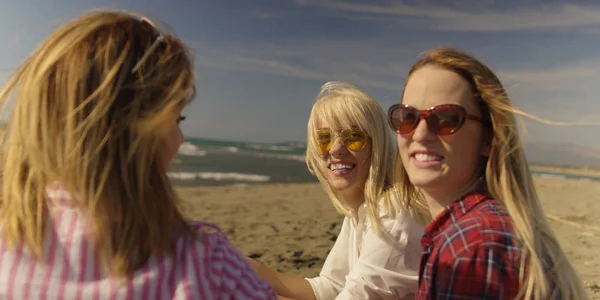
173, 140
464, 148
364, 159
323, 166
179, 135
403, 146
177, 138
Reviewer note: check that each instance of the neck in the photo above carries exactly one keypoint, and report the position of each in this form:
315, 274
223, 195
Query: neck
354, 199
440, 198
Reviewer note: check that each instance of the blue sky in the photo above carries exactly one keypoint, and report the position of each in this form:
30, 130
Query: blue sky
260, 63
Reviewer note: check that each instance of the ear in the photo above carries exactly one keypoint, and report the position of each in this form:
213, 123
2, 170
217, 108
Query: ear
485, 149
486, 146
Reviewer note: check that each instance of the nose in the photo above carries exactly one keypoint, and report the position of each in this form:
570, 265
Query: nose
337, 147
422, 132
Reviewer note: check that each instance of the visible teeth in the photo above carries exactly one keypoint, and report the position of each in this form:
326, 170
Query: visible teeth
340, 167
426, 157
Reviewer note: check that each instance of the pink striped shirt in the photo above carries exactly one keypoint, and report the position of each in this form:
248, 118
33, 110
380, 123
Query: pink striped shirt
209, 270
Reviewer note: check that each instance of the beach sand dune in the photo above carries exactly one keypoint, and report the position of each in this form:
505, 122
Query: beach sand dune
292, 227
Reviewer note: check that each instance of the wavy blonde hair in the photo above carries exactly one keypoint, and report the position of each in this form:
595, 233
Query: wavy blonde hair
342, 105
549, 274
91, 106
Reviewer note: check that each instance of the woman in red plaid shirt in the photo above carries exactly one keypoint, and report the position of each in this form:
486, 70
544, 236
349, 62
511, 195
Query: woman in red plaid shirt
460, 150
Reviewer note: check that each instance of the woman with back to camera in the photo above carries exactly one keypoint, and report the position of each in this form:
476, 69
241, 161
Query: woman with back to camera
87, 210
376, 254
460, 151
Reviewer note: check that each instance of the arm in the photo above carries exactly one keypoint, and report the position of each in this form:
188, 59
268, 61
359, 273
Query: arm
326, 286
285, 285
230, 274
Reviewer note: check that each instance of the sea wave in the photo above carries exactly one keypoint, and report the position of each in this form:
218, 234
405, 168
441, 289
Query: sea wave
232, 149
218, 176
555, 176
299, 158
271, 147
552, 175
190, 149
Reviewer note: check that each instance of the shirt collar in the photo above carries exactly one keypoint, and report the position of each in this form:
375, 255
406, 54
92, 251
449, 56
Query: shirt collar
455, 211
362, 214
58, 195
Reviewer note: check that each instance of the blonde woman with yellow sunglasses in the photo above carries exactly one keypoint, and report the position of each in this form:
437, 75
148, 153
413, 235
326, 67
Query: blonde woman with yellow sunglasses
351, 151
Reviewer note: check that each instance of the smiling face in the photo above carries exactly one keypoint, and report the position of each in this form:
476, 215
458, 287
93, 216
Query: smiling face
345, 170
441, 165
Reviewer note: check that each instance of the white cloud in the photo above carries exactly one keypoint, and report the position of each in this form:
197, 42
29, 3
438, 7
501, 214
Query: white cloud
556, 75
371, 63
557, 16
560, 92
363, 62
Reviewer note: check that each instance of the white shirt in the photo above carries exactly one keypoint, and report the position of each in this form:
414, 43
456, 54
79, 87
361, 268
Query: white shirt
363, 265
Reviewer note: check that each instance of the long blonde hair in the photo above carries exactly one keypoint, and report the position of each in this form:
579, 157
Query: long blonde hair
548, 275
90, 109
342, 105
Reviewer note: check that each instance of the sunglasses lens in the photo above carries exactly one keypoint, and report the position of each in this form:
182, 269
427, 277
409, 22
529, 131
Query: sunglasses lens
446, 121
323, 140
354, 140
404, 119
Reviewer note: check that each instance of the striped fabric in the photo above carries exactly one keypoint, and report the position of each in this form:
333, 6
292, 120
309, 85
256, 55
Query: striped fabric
213, 269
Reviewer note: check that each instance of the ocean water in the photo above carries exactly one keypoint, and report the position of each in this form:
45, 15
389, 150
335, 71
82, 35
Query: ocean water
549, 174
214, 162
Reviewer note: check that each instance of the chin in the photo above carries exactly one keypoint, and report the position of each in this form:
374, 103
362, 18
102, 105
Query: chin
424, 181
343, 186
340, 187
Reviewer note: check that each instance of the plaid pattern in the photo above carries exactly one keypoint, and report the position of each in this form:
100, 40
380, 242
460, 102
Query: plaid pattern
470, 251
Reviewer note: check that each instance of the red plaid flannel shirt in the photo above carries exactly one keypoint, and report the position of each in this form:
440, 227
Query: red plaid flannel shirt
470, 251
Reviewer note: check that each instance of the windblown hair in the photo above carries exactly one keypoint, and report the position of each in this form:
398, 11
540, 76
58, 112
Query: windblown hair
91, 105
545, 271
342, 106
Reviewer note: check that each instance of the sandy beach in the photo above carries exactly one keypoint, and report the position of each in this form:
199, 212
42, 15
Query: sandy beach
291, 227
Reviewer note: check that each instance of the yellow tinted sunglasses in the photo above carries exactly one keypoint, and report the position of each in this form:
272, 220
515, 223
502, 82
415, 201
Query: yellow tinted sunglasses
353, 139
